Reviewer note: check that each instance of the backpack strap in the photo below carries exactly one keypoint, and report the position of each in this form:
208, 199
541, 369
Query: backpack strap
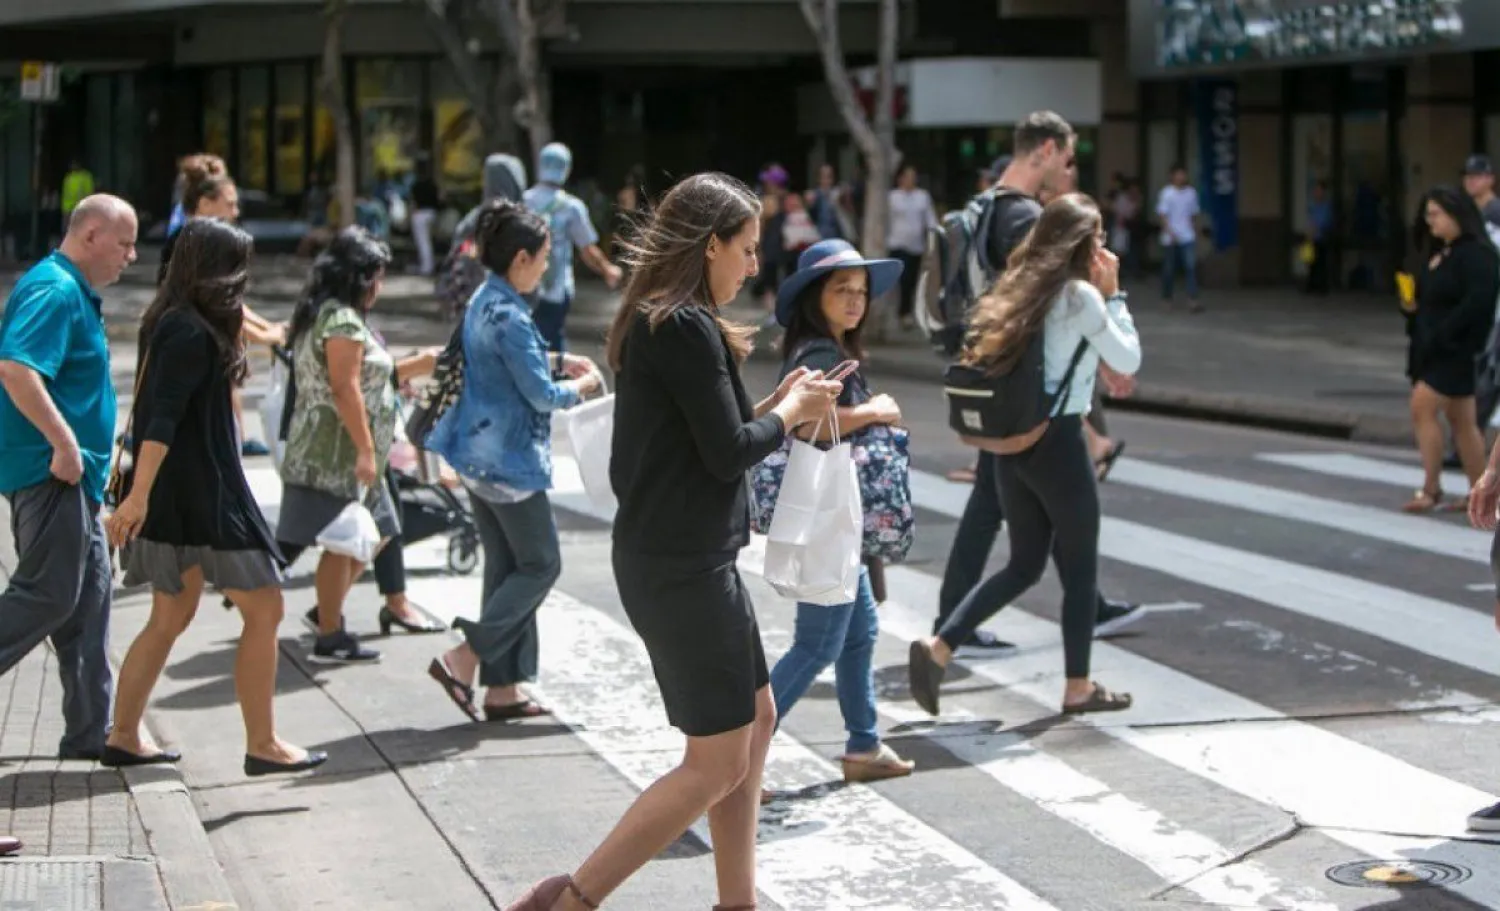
1061, 399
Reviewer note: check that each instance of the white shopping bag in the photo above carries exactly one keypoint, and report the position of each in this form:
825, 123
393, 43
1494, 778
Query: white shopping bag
272, 404
812, 546
590, 428
352, 533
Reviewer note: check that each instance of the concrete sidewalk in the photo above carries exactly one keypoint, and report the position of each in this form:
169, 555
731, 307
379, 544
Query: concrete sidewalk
95, 839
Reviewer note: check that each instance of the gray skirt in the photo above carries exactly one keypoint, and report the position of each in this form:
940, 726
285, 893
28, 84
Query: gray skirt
161, 566
306, 511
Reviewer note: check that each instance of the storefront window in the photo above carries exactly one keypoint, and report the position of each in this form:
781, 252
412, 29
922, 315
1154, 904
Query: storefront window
125, 169
218, 107
291, 129
98, 131
388, 98
255, 97
1312, 161
458, 143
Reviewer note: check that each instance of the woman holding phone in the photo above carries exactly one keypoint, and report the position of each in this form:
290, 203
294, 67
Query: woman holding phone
823, 306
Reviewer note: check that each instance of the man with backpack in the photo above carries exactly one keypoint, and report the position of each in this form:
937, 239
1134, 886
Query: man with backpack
1043, 159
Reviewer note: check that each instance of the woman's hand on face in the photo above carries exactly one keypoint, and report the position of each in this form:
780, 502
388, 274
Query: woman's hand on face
125, 523
1105, 272
364, 468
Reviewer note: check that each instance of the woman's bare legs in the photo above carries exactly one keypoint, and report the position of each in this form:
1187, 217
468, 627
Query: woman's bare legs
255, 673
170, 615
334, 577
713, 769
1463, 418
1428, 430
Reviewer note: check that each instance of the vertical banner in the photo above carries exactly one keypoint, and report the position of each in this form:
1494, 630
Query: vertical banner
1218, 119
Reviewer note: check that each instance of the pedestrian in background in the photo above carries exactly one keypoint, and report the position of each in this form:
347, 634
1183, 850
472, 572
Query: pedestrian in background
57, 426
342, 425
77, 185
498, 437
1456, 290
189, 518
571, 228
912, 216
1062, 283
685, 434
425, 202
1177, 209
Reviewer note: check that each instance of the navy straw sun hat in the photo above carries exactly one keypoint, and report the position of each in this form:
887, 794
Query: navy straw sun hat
824, 257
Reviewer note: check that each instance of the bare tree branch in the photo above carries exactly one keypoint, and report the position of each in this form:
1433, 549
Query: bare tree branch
446, 22
516, 22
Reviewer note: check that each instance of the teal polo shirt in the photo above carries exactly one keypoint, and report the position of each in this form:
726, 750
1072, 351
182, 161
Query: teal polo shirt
54, 324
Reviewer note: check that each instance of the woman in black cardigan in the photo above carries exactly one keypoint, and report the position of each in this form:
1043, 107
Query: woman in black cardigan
685, 434
1457, 289
188, 517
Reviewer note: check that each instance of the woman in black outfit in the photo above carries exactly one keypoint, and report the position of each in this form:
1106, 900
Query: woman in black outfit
188, 517
1456, 292
685, 434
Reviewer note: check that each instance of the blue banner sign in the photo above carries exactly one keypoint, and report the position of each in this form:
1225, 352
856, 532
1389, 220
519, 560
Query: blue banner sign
1219, 151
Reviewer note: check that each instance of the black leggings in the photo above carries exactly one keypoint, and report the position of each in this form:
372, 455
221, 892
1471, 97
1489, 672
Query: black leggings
1051, 505
911, 271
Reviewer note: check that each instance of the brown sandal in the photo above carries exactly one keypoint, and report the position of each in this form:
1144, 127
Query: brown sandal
1100, 700
545, 894
1424, 501
461, 693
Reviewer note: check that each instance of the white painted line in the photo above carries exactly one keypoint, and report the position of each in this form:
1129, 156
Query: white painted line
860, 850
1171, 607
1480, 586
1426, 625
1178, 855
1363, 468
1327, 781
1443, 538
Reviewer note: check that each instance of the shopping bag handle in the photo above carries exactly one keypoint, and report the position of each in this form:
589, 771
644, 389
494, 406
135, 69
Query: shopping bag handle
833, 415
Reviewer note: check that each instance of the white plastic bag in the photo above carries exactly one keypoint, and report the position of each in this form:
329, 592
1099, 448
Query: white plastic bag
590, 428
352, 533
272, 404
813, 544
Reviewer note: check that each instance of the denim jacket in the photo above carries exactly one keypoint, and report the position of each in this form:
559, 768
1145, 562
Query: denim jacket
500, 429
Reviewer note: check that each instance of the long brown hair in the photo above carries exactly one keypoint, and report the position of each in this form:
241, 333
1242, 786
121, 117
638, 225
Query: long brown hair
1059, 249
208, 276
808, 322
668, 258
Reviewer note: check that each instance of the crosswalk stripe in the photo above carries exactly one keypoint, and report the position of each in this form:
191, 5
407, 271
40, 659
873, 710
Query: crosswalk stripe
1443, 538
1419, 623
597, 678
1363, 468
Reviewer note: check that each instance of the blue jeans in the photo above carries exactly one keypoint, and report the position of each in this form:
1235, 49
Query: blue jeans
1181, 257
843, 636
550, 317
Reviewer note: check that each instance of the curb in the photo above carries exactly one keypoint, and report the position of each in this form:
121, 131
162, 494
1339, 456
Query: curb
190, 871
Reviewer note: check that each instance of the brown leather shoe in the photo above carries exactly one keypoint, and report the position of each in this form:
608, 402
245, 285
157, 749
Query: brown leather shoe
9, 844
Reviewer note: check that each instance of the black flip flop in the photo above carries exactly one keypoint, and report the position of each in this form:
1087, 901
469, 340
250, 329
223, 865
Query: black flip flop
526, 708
1100, 700
461, 693
1103, 467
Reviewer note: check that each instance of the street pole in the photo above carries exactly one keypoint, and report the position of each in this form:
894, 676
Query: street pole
36, 177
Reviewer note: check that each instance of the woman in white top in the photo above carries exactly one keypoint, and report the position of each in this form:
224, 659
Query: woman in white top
911, 216
1062, 282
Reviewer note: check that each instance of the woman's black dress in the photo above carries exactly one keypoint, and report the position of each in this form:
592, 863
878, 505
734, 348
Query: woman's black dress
1454, 317
684, 437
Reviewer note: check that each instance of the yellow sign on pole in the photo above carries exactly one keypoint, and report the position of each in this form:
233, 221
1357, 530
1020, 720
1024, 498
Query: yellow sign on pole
39, 81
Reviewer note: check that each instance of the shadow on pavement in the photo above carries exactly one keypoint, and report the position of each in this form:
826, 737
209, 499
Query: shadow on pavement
213, 825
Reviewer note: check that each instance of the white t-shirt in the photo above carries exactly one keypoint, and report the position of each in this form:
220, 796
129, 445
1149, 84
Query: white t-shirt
911, 216
1177, 206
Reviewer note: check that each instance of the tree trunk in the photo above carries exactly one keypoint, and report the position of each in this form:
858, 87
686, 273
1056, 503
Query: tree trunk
337, 103
448, 23
877, 143
517, 23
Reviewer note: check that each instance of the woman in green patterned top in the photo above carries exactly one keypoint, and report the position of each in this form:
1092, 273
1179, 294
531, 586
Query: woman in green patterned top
342, 424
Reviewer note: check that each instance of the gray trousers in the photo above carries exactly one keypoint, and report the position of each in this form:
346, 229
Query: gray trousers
61, 589
522, 560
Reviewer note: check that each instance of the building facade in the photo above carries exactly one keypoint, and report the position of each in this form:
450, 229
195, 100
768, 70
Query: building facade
1264, 99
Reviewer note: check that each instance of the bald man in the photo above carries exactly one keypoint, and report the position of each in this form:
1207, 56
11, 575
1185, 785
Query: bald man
57, 421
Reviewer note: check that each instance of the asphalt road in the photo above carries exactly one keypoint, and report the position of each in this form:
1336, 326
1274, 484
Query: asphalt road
1315, 686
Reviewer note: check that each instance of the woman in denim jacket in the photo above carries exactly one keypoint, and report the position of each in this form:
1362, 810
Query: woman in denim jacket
498, 437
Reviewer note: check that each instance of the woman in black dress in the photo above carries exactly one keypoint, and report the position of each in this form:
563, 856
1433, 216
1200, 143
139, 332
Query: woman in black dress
1457, 289
685, 434
187, 517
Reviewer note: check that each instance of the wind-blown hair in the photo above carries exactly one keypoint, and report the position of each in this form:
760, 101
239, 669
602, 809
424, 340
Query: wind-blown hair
667, 257
208, 274
1060, 248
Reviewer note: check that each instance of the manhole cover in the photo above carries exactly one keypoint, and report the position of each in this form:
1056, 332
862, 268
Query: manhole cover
1375, 874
